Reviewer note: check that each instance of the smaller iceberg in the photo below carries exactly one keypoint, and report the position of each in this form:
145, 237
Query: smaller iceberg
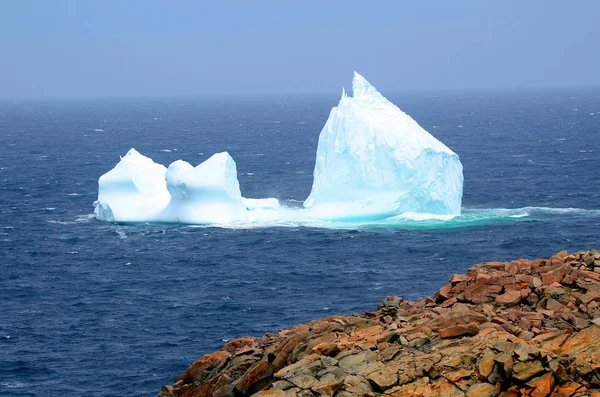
140, 190
206, 194
133, 191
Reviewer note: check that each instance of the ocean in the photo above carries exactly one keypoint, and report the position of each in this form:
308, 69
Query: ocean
89, 308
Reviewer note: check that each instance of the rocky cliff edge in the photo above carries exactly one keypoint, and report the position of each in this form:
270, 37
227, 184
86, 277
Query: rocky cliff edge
520, 328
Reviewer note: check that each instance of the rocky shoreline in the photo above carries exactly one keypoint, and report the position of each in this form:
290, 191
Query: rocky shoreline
519, 328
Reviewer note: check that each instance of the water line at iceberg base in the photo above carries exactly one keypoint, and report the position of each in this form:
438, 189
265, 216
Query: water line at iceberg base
470, 217
376, 168
267, 213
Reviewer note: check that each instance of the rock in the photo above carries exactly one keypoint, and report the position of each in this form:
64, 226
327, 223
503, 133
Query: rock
486, 364
459, 330
483, 390
554, 305
578, 321
570, 388
308, 364
391, 301
357, 385
523, 371
282, 385
166, 391
326, 349
560, 373
449, 303
505, 362
481, 293
303, 381
526, 335
554, 276
459, 278
383, 379
593, 295
202, 369
357, 363
444, 388
526, 352
455, 376
258, 376
327, 388
271, 393
542, 385
236, 345
445, 292
457, 323
509, 298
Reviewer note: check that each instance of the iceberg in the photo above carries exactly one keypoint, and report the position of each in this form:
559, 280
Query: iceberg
206, 194
133, 191
374, 161
139, 190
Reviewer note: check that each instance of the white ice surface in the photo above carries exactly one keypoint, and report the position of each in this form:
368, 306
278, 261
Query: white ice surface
133, 191
374, 161
139, 190
208, 193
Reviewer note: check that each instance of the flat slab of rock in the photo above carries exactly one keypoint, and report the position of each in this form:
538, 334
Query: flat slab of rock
509, 298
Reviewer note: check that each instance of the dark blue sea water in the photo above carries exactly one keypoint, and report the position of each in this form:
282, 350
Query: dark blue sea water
98, 309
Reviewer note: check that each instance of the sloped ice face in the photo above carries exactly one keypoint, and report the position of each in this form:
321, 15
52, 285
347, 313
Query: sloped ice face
133, 191
208, 193
374, 161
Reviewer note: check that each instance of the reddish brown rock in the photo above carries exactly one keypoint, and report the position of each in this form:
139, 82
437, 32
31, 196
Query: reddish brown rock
542, 385
593, 295
570, 388
554, 305
554, 275
202, 368
445, 292
481, 293
326, 348
486, 363
459, 278
455, 376
483, 390
509, 298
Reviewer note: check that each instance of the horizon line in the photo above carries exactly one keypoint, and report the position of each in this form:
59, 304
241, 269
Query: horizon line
241, 95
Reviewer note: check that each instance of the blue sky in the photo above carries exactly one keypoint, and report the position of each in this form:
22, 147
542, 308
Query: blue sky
148, 48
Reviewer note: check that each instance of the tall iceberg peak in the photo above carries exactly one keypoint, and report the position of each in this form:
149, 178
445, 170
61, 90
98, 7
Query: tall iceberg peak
374, 161
361, 87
